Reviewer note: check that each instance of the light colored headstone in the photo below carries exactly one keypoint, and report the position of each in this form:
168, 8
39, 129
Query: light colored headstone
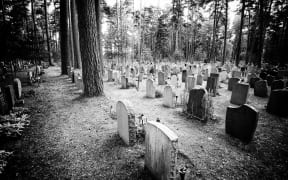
169, 97
126, 122
206, 74
124, 82
239, 93
79, 82
174, 80
223, 76
161, 148
190, 83
150, 89
18, 88
199, 79
161, 78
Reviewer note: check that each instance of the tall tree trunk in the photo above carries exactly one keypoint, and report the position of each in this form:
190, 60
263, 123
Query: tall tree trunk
89, 45
64, 35
238, 49
212, 51
71, 43
248, 38
47, 34
225, 32
34, 27
75, 33
98, 19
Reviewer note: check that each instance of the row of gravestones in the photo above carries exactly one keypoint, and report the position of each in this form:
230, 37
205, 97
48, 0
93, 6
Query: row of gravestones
161, 144
8, 96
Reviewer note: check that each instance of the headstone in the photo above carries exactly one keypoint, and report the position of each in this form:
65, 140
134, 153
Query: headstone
223, 76
161, 148
252, 81
161, 78
261, 88
199, 80
270, 79
277, 84
278, 102
79, 82
9, 96
190, 83
282, 73
239, 94
251, 75
211, 85
232, 82
126, 126
206, 75
184, 76
169, 97
4, 108
150, 89
236, 74
197, 103
241, 122
140, 77
124, 82
18, 88
110, 75
174, 81
263, 75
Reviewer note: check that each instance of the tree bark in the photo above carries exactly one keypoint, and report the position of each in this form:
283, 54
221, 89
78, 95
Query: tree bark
64, 35
212, 51
98, 19
47, 34
225, 32
89, 46
75, 33
238, 49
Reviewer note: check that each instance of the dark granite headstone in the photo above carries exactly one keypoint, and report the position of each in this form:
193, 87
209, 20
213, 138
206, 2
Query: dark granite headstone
277, 84
278, 102
184, 76
73, 77
4, 109
212, 85
241, 122
270, 79
263, 75
196, 105
252, 81
261, 88
9, 96
239, 94
232, 82
282, 73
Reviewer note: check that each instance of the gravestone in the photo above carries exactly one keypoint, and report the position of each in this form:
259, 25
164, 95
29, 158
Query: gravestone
197, 103
161, 148
251, 75
241, 122
211, 85
236, 74
169, 97
239, 94
18, 88
190, 83
206, 75
73, 77
252, 81
126, 126
199, 80
232, 82
140, 77
184, 76
124, 82
150, 89
79, 82
161, 78
174, 81
278, 102
9, 95
223, 76
270, 79
277, 84
110, 75
261, 88
263, 75
282, 73
4, 108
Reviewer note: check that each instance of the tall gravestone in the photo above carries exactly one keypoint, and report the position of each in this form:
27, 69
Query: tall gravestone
190, 83
211, 85
261, 88
126, 126
161, 148
199, 80
174, 80
18, 88
184, 76
239, 94
124, 82
150, 89
277, 84
197, 103
161, 78
241, 122
232, 82
278, 102
169, 97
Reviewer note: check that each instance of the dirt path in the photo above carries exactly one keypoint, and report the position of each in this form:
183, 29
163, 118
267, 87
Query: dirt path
71, 137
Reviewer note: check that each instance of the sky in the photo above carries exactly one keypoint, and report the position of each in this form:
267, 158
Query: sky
144, 3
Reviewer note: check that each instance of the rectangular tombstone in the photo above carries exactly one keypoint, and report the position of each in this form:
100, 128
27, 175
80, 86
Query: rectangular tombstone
124, 82
18, 88
211, 86
150, 89
169, 97
161, 148
140, 77
206, 75
161, 78
126, 126
110, 75
240, 94
4, 108
236, 74
9, 95
196, 103
174, 81
277, 84
232, 82
199, 80
261, 88
184, 76
241, 122
190, 83
278, 102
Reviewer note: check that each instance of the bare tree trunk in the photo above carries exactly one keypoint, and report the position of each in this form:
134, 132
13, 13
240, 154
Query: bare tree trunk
64, 34
98, 19
225, 32
89, 45
212, 51
47, 34
248, 38
75, 34
238, 49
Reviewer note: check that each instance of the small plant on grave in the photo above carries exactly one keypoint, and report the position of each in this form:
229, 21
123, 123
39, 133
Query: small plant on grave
158, 94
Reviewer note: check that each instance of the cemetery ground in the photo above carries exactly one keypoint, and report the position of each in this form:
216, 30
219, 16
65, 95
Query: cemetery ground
72, 137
